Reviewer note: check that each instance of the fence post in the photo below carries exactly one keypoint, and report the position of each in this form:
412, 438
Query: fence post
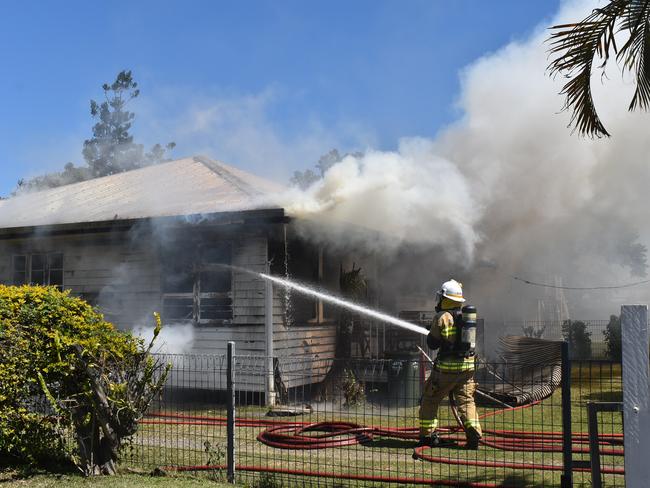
230, 422
636, 394
594, 446
567, 448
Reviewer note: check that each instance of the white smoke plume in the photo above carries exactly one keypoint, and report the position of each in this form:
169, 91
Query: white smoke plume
410, 195
173, 338
509, 185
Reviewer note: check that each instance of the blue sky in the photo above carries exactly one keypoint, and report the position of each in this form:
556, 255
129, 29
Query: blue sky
265, 85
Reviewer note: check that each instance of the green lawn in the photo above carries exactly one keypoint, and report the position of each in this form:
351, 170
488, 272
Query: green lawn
185, 445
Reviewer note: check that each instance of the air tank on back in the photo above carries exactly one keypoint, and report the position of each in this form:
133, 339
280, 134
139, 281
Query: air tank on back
468, 331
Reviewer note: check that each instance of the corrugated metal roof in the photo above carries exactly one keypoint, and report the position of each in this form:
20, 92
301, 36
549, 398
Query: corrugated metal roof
183, 187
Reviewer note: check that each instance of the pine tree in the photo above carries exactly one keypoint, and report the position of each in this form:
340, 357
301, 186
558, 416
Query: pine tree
111, 149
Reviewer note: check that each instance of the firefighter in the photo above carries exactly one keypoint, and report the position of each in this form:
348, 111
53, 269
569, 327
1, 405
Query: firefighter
453, 370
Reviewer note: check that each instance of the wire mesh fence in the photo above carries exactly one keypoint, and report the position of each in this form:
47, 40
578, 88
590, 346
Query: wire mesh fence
356, 422
598, 382
180, 428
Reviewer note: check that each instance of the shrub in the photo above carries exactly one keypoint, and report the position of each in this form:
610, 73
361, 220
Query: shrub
536, 331
353, 391
267, 480
575, 332
613, 339
64, 371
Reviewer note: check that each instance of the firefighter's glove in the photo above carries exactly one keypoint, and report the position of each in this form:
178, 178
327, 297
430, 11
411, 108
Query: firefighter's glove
433, 342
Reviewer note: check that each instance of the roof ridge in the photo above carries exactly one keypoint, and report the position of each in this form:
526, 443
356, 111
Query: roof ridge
224, 173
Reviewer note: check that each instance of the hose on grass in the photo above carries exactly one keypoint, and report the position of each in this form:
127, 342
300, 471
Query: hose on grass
323, 435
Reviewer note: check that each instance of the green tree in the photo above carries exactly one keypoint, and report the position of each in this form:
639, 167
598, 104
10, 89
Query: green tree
70, 174
579, 338
111, 149
304, 179
66, 374
613, 339
620, 28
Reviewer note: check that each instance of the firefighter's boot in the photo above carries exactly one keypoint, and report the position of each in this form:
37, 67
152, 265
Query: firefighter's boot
432, 440
473, 439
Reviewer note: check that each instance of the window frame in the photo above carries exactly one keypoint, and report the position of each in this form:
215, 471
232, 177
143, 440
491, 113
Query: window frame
196, 295
51, 267
318, 316
321, 317
46, 270
25, 271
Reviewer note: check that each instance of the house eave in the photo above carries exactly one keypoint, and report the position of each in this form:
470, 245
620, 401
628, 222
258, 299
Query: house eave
244, 217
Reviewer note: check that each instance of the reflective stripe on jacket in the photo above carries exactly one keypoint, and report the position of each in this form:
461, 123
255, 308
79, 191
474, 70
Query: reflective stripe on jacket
455, 364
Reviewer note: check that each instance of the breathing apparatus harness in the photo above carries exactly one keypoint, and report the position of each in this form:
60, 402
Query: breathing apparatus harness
464, 343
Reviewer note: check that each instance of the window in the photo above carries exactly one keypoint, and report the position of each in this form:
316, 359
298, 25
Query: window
196, 287
38, 269
214, 285
55, 269
313, 266
19, 270
302, 267
178, 286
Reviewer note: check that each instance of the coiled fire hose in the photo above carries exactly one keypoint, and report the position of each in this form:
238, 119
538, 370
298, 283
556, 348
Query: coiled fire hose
323, 435
337, 434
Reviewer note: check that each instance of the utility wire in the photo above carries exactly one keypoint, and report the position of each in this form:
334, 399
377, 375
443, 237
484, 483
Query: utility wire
612, 287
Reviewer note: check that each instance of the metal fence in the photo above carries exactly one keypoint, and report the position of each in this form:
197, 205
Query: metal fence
354, 422
598, 384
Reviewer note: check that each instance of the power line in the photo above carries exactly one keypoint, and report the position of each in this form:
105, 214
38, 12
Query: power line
611, 287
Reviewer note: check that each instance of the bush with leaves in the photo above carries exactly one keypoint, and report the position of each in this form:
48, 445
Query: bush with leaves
354, 393
579, 339
354, 287
65, 372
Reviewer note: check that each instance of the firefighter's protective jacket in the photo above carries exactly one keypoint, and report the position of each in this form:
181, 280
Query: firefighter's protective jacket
448, 332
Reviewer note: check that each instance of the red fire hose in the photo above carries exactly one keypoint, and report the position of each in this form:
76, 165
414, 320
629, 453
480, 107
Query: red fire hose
322, 435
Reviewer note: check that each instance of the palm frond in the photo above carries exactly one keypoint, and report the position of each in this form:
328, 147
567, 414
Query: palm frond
635, 53
576, 46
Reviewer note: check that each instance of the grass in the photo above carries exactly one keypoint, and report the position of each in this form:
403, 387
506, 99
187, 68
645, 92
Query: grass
11, 479
183, 445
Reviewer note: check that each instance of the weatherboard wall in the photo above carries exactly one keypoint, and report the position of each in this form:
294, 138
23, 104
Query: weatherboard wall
120, 272
106, 269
